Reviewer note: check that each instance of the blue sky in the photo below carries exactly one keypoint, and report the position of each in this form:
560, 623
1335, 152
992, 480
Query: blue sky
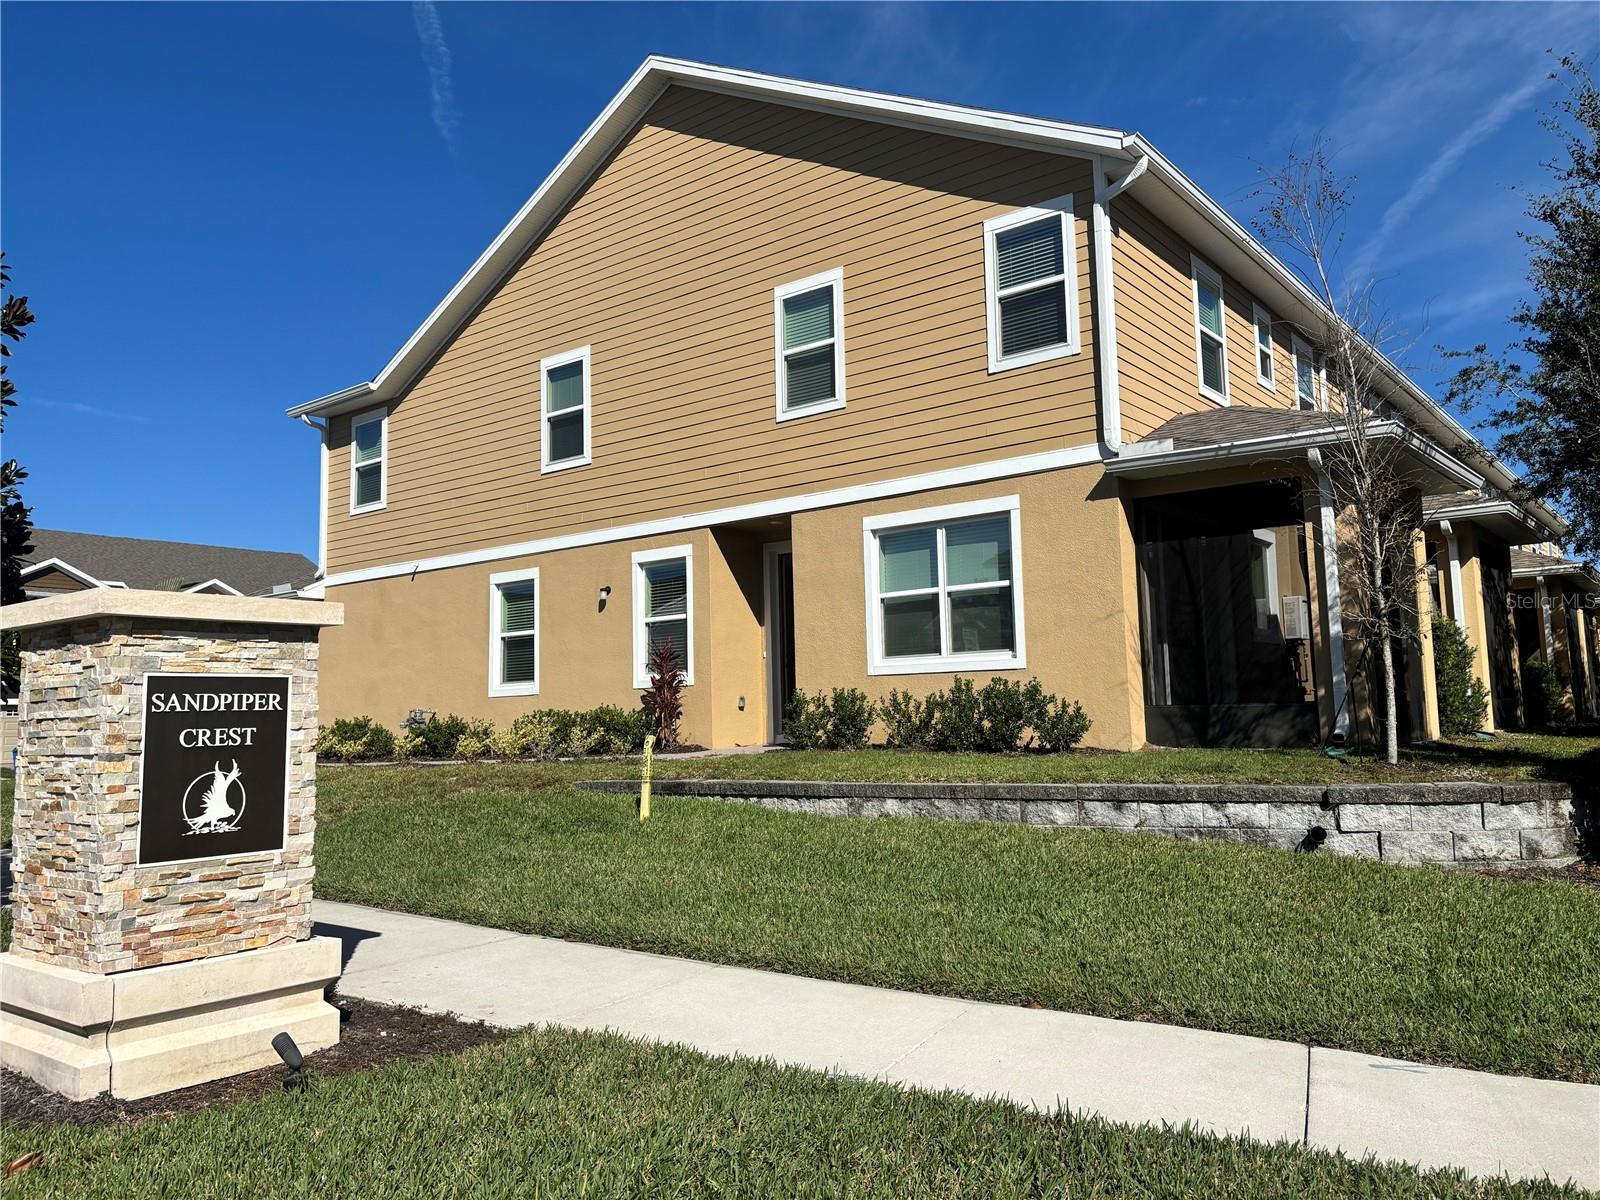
221, 210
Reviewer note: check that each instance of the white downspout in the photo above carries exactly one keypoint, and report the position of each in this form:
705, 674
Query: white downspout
1458, 604
322, 499
1105, 336
1338, 684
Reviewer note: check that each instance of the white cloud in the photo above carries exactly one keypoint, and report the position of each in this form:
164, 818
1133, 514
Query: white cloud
1431, 176
436, 58
88, 410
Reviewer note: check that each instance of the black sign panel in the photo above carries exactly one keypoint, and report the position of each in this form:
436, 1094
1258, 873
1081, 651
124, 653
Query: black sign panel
215, 769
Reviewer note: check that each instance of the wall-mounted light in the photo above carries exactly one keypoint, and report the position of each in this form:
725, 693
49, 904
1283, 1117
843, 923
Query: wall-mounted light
605, 594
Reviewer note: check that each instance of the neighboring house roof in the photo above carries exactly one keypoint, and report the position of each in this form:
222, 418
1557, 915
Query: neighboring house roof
166, 566
1504, 518
1145, 173
1527, 563
1211, 438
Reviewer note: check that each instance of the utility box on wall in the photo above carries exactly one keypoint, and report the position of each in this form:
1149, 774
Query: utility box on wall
163, 840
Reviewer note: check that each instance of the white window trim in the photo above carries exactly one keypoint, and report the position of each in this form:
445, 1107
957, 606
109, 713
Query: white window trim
496, 636
546, 365
1061, 208
381, 415
925, 664
1263, 320
641, 559
1302, 350
830, 279
1198, 269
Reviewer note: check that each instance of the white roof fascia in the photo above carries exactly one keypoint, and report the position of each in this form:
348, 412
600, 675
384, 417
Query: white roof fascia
67, 568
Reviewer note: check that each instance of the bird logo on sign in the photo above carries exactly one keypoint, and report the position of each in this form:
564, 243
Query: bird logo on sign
214, 802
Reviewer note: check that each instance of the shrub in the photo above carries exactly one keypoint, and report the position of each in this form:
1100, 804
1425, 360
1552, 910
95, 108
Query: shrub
438, 736
805, 721
475, 740
956, 718
1008, 709
1060, 725
1543, 695
355, 739
850, 718
907, 721
410, 745
663, 703
616, 730
1463, 699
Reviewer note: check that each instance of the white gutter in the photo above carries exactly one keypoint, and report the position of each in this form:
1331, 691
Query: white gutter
1161, 461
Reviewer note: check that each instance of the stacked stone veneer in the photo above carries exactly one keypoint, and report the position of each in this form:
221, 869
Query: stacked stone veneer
1445, 823
80, 901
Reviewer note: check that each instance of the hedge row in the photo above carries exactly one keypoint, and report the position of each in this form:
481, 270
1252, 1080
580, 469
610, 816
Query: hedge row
1001, 716
545, 734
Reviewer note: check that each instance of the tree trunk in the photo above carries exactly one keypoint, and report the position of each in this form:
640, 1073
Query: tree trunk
1391, 732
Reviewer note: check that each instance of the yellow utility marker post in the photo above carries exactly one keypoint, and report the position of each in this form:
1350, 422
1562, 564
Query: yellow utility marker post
644, 782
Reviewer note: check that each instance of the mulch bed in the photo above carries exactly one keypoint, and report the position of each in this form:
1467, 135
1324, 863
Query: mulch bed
1584, 874
371, 1035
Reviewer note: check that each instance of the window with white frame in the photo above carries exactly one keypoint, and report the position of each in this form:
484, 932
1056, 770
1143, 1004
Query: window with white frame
663, 609
1209, 335
1030, 263
1264, 583
1265, 375
369, 454
514, 633
944, 589
808, 317
1305, 374
564, 402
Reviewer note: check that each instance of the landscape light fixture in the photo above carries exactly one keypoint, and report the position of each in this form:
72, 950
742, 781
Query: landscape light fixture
295, 1080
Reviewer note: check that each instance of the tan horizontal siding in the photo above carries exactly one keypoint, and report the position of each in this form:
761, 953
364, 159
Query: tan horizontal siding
1156, 353
665, 266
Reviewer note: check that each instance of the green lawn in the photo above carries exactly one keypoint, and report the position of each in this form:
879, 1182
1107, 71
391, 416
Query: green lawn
1510, 756
562, 1113
1450, 968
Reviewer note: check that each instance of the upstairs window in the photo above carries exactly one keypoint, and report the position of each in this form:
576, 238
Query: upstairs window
1265, 375
663, 609
809, 316
564, 399
369, 445
944, 590
1305, 375
1031, 286
514, 633
1210, 340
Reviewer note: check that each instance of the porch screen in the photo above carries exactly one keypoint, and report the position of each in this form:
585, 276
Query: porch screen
1224, 582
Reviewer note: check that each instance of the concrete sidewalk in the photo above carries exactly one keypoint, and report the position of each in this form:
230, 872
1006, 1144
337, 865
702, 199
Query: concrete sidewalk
1128, 1071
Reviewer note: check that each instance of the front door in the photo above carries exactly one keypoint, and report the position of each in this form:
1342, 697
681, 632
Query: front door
780, 634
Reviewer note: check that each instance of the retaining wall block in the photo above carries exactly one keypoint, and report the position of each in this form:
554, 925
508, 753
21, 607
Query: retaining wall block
1172, 815
1430, 846
1352, 845
1524, 814
1281, 815
1549, 843
1235, 815
1453, 817
1113, 814
1370, 818
1052, 812
1488, 845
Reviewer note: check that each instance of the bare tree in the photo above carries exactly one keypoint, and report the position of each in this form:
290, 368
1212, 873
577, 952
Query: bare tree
1304, 208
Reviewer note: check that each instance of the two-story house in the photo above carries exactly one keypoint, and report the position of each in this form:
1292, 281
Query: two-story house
835, 388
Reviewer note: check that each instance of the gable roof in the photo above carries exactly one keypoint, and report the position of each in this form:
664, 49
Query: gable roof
1145, 173
142, 563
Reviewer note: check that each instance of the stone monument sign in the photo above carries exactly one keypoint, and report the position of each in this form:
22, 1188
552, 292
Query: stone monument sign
164, 825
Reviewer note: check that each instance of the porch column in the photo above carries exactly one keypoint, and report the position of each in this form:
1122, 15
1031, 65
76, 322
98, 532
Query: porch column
1466, 571
1429, 685
1332, 614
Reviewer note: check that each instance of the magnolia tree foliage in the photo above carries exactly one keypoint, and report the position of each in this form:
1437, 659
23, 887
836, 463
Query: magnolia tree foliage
1543, 390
